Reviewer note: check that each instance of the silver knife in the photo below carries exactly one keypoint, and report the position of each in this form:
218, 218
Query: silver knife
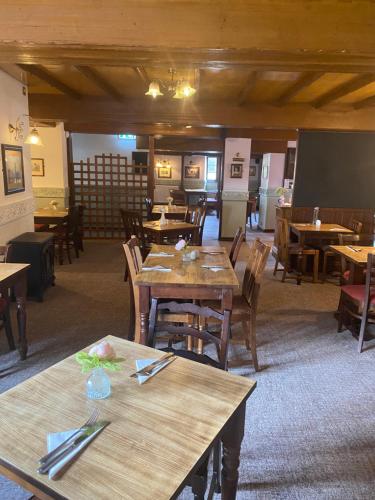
83, 438
152, 365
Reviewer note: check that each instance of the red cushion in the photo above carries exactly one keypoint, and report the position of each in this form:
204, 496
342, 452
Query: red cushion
346, 275
357, 293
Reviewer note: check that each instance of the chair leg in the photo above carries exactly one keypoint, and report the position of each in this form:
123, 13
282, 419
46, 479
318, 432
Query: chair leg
251, 343
251, 222
67, 247
340, 313
362, 332
316, 268
8, 330
276, 264
152, 322
284, 275
324, 270
61, 251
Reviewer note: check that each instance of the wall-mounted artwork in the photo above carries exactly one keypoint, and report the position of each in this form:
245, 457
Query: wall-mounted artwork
165, 172
37, 167
14, 178
236, 171
191, 172
252, 171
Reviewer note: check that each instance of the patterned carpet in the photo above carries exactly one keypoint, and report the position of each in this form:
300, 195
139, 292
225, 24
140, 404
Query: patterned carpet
310, 422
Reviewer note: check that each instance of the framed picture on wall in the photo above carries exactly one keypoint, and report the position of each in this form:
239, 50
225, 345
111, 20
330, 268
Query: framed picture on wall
236, 171
252, 171
37, 167
191, 172
164, 173
13, 173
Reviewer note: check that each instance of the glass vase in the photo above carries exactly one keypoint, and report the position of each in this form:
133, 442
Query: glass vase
98, 385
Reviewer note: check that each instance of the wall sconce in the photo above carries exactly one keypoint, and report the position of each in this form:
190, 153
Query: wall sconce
32, 138
163, 163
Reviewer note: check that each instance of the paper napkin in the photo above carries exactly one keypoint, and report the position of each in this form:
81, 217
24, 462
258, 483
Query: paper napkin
142, 363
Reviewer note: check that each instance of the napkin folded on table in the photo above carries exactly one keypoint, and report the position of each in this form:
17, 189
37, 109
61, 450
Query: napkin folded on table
142, 363
160, 254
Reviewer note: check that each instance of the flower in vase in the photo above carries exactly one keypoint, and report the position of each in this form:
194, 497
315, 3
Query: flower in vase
104, 350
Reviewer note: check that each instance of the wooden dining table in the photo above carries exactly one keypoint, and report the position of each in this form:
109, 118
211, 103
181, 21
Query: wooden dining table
186, 280
50, 216
170, 211
158, 436
303, 230
14, 277
171, 229
356, 256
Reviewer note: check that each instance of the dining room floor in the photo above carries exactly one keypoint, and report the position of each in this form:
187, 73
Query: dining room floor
310, 422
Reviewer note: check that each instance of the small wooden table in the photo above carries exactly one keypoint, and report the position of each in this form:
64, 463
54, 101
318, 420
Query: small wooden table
171, 211
48, 216
14, 276
323, 231
172, 229
357, 260
159, 432
187, 280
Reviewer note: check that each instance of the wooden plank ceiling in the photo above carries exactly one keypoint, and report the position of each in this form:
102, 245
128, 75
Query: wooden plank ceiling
271, 64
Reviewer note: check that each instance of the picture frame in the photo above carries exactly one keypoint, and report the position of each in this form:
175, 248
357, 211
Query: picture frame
191, 172
236, 171
164, 172
13, 170
252, 171
37, 167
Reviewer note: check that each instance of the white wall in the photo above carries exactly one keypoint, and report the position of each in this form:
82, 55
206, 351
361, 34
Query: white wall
54, 183
88, 145
232, 147
162, 186
16, 210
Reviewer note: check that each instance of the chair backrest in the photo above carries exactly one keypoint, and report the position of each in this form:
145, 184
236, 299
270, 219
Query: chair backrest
178, 195
133, 225
253, 273
347, 239
221, 342
198, 217
239, 238
282, 240
74, 219
134, 262
370, 282
356, 226
149, 205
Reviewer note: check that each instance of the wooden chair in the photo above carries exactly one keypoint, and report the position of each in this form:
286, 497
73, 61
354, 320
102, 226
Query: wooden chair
149, 206
179, 196
251, 209
134, 261
343, 239
358, 301
347, 239
247, 303
283, 250
133, 226
66, 236
197, 216
238, 239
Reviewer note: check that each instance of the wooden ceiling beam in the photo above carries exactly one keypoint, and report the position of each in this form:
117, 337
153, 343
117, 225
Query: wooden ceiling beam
47, 77
303, 82
249, 85
344, 89
96, 78
252, 59
364, 103
206, 113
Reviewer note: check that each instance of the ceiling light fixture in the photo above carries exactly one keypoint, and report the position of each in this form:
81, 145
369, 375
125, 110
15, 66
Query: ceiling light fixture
180, 88
188, 126
34, 138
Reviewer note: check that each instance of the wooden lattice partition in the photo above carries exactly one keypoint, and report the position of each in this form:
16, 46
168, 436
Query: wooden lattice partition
104, 186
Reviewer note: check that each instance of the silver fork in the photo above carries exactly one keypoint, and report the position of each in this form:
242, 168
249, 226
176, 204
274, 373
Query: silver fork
91, 421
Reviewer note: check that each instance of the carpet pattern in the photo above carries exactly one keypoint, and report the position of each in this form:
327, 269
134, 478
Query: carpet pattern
310, 422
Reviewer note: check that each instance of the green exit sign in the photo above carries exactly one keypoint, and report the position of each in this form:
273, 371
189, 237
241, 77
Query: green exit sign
127, 137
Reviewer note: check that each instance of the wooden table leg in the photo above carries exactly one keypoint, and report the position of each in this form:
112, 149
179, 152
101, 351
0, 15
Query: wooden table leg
144, 310
20, 288
232, 439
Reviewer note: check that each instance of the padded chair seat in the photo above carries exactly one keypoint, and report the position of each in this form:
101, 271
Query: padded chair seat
357, 294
